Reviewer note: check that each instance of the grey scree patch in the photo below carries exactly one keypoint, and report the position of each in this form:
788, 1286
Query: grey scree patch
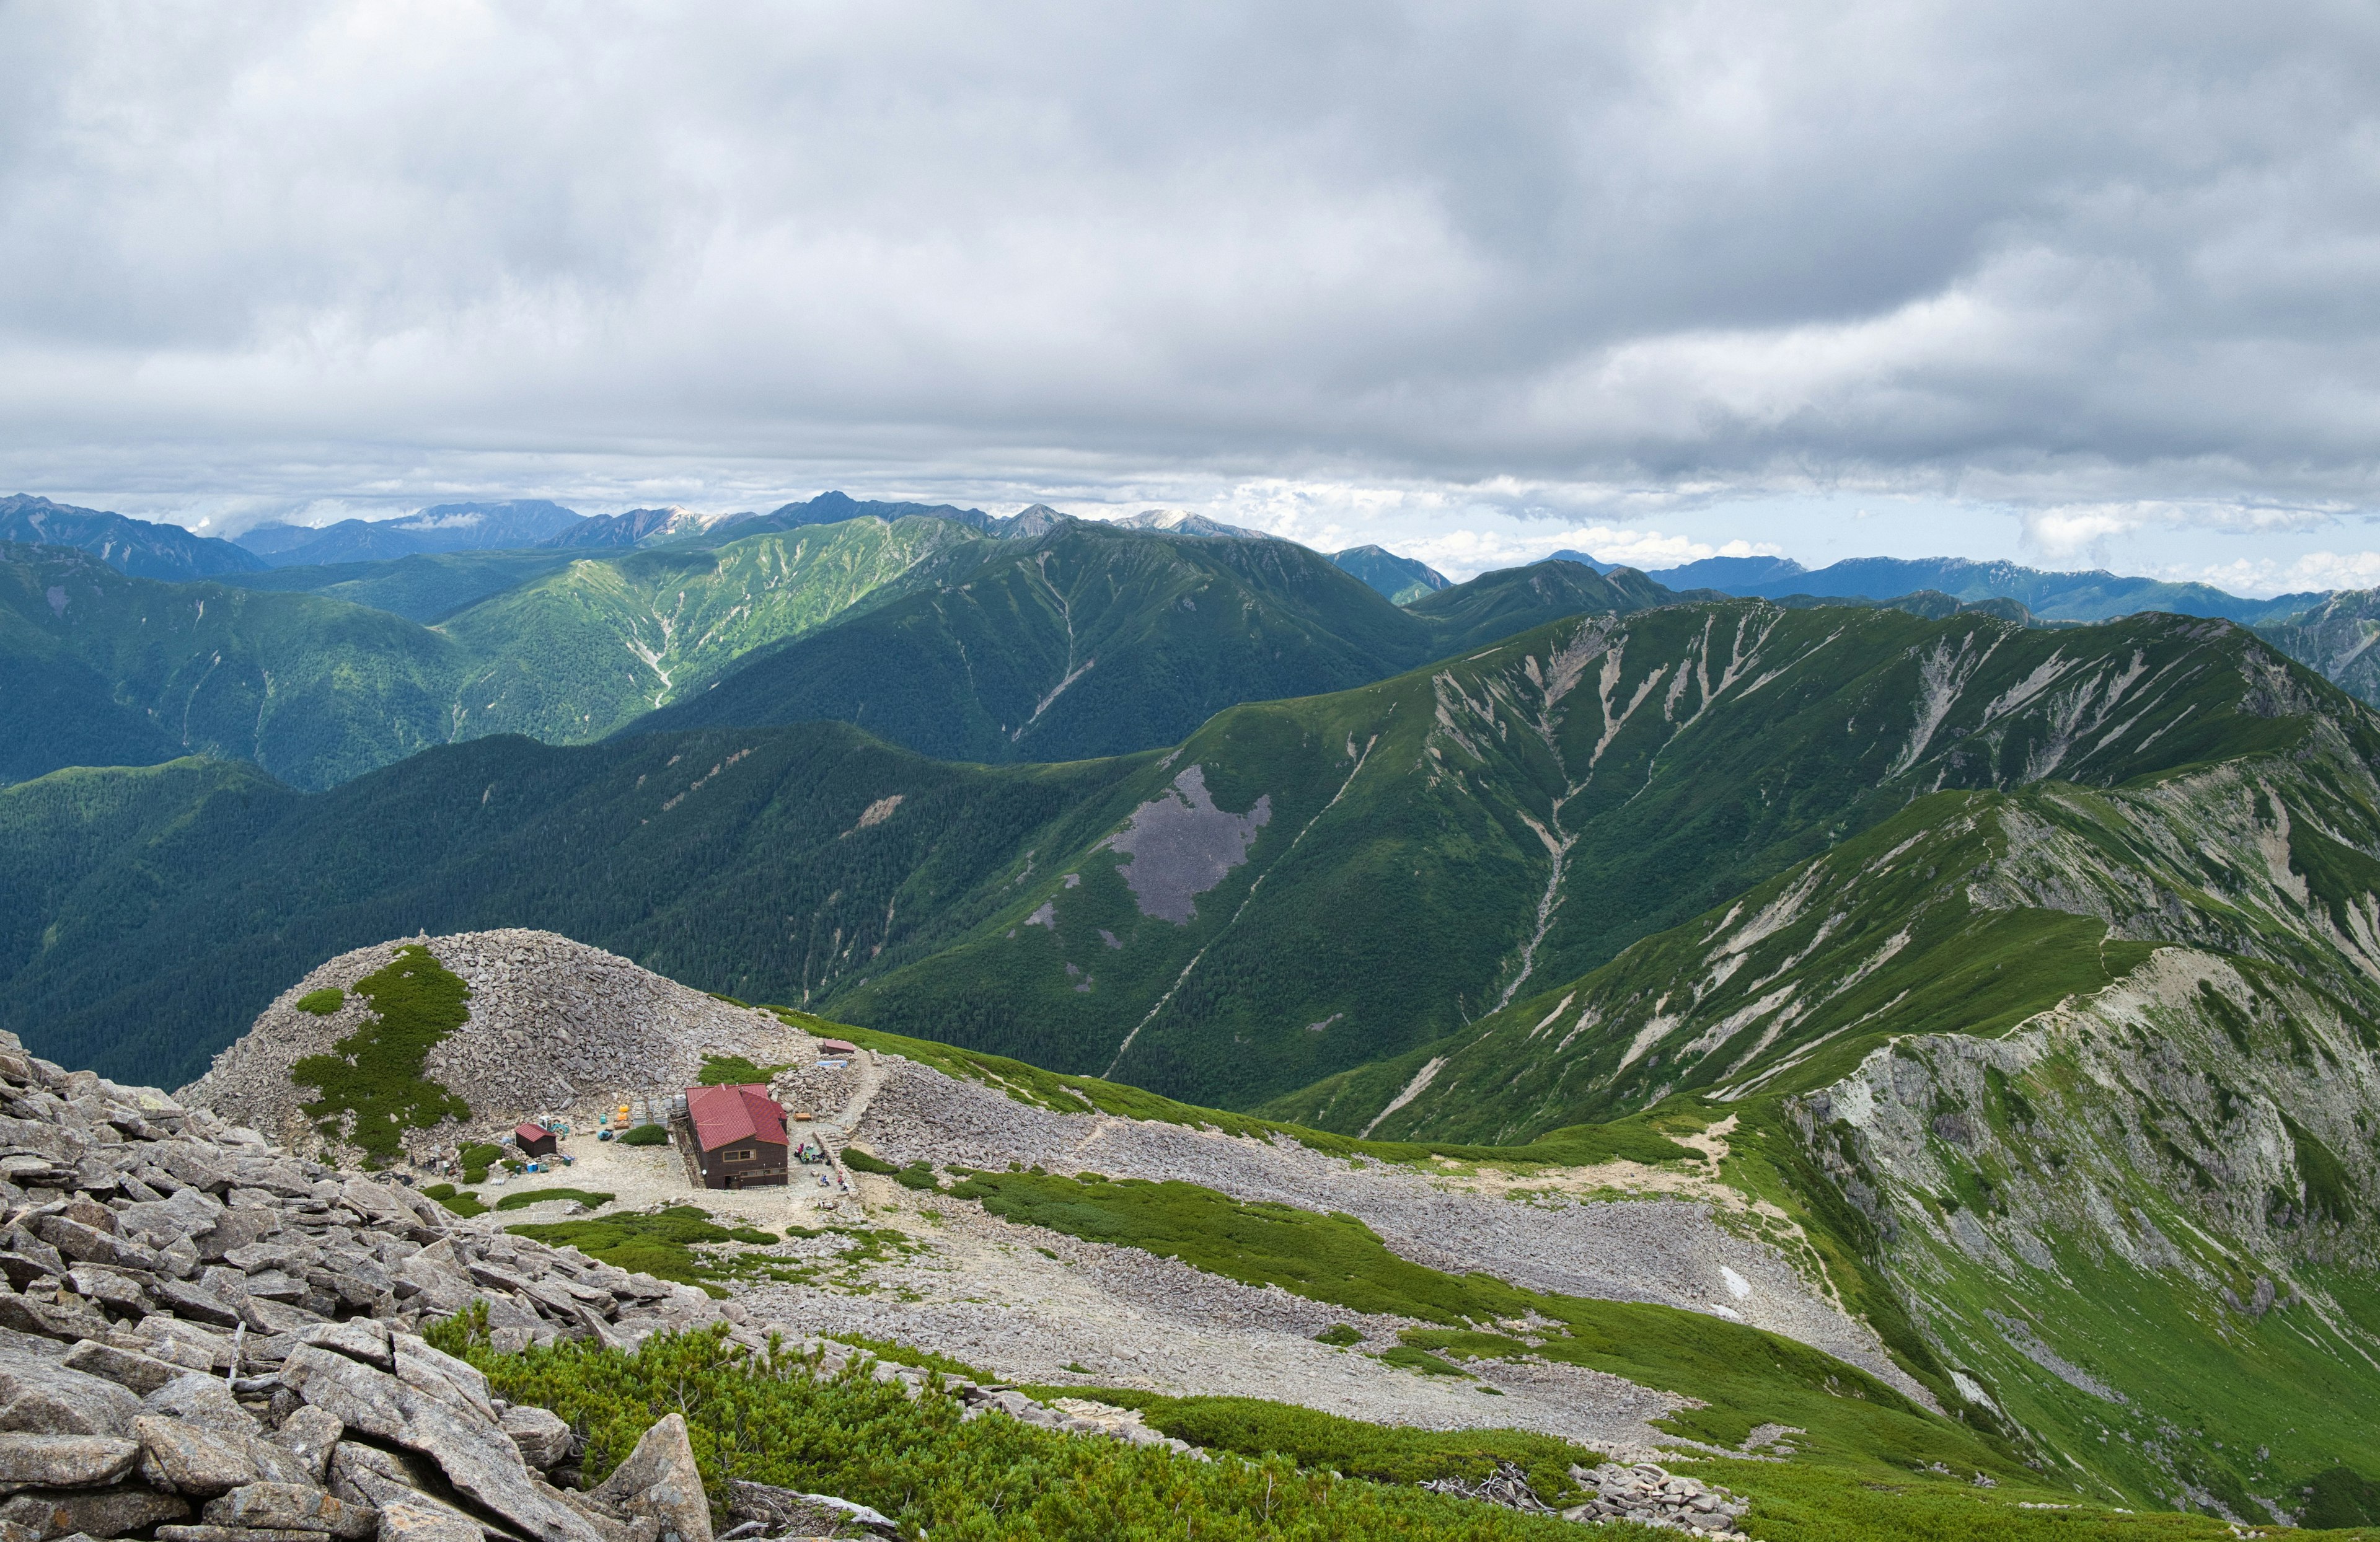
1180, 845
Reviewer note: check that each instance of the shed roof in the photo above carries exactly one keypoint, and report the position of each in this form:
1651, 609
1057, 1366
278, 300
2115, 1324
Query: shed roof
722, 1115
530, 1131
836, 1047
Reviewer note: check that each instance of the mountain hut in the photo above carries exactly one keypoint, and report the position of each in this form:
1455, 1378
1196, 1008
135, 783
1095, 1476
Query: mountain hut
739, 1136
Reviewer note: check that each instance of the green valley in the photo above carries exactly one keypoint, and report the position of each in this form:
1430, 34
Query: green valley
1299, 890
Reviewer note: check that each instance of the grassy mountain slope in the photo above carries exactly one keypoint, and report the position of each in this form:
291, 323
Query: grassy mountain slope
1402, 581
577, 654
2071, 1086
427, 587
1302, 887
314, 690
1088, 640
1405, 878
1091, 640
1496, 605
747, 862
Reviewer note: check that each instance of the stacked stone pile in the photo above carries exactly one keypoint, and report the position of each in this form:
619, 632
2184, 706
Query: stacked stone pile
552, 1023
203, 1339
806, 1086
1650, 1495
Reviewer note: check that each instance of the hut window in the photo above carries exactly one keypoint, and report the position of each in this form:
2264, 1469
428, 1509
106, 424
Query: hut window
741, 1155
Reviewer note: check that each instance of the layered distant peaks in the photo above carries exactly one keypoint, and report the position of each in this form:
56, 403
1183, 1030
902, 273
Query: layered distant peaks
495, 527
635, 527
132, 546
1182, 522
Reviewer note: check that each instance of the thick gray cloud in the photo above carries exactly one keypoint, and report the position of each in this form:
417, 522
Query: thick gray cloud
2082, 260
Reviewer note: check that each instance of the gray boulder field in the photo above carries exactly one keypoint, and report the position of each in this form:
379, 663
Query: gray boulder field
206, 1339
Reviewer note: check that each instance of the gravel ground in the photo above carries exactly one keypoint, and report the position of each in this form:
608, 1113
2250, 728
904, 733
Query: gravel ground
1665, 1251
558, 1025
1025, 1304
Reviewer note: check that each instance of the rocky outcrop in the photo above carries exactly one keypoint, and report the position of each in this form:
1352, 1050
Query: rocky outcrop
551, 1022
206, 1339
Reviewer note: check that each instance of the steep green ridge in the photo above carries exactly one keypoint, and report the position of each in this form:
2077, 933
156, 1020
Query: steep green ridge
2335, 638
1402, 581
173, 903
427, 587
2069, 1086
1512, 600
313, 691
1345, 878
579, 653
1088, 640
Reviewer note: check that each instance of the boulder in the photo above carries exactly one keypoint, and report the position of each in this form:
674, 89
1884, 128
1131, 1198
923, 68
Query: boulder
65, 1461
660, 1479
119, 1510
139, 1373
310, 1433
291, 1507
183, 1459
43, 1397
402, 1521
544, 1439
476, 1455
203, 1401
359, 1339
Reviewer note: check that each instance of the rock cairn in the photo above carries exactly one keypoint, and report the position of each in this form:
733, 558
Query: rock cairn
204, 1339
1639, 1492
1650, 1495
552, 1023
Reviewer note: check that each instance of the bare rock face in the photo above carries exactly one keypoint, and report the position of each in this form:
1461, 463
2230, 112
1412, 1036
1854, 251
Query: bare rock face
550, 1021
659, 1479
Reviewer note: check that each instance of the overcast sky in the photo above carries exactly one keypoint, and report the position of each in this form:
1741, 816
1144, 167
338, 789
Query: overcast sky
2067, 284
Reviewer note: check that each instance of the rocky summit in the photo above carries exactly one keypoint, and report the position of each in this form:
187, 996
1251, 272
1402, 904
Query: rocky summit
205, 1338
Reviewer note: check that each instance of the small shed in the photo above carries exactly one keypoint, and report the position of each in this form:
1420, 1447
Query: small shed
534, 1140
739, 1136
836, 1047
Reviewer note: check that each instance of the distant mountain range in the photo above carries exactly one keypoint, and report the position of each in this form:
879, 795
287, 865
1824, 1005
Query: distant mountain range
2095, 595
446, 527
2016, 979
135, 546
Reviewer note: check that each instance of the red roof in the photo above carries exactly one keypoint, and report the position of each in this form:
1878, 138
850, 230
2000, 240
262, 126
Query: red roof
835, 1047
530, 1132
723, 1115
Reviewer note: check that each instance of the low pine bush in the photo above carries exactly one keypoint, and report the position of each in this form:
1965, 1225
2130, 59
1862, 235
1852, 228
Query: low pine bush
592, 1199
646, 1135
373, 1077
772, 1418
